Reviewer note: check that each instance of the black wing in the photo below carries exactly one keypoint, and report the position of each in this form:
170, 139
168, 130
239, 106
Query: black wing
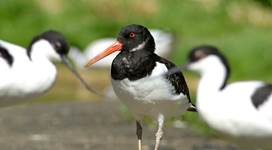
177, 79
4, 53
261, 95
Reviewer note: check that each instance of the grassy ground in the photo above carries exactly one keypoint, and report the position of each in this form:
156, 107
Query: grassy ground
241, 29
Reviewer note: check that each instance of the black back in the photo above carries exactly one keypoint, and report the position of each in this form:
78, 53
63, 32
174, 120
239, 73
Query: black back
55, 38
4, 53
261, 95
203, 51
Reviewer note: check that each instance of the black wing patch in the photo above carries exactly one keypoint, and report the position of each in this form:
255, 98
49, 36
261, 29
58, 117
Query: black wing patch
261, 95
177, 79
4, 53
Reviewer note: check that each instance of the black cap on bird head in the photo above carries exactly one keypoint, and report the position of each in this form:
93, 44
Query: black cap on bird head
56, 39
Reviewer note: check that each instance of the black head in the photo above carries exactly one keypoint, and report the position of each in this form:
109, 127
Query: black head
136, 37
55, 38
201, 52
131, 38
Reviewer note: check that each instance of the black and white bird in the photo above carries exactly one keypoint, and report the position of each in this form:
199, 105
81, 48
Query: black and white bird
164, 46
240, 109
26, 73
132, 74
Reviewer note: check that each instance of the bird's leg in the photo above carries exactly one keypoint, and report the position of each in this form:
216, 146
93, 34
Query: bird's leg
159, 132
139, 132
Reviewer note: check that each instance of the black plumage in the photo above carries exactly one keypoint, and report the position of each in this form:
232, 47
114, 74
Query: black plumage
261, 95
4, 53
56, 39
140, 64
177, 79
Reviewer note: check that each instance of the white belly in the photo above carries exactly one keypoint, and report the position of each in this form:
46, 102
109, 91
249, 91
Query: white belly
27, 81
150, 97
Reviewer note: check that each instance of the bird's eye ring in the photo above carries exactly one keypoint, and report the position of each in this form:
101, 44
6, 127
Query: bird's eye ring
132, 34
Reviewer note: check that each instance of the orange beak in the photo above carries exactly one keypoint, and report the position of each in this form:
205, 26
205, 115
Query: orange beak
117, 46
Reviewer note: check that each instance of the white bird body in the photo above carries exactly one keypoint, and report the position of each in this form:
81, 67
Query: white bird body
232, 111
26, 73
139, 78
25, 78
242, 110
164, 46
144, 100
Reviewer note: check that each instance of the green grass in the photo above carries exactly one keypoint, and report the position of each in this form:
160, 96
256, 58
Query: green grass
248, 46
246, 42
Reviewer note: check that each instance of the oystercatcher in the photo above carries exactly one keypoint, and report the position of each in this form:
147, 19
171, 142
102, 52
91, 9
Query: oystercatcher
30, 72
240, 109
132, 74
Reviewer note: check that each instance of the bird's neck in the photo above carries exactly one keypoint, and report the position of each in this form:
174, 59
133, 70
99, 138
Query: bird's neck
42, 51
210, 86
212, 81
37, 57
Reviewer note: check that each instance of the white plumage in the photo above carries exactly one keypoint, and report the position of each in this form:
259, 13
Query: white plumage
164, 46
27, 78
151, 96
137, 79
26, 73
230, 110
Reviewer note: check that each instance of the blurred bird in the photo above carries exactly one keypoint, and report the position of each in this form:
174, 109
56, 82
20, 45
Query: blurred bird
240, 109
131, 73
26, 73
164, 46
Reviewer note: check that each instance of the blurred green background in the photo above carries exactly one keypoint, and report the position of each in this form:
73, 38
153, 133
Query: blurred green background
241, 29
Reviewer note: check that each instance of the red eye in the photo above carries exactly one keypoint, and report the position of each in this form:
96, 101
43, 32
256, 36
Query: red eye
132, 34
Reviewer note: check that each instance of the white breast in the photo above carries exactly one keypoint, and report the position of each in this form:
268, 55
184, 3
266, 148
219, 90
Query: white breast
25, 78
4, 66
150, 96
